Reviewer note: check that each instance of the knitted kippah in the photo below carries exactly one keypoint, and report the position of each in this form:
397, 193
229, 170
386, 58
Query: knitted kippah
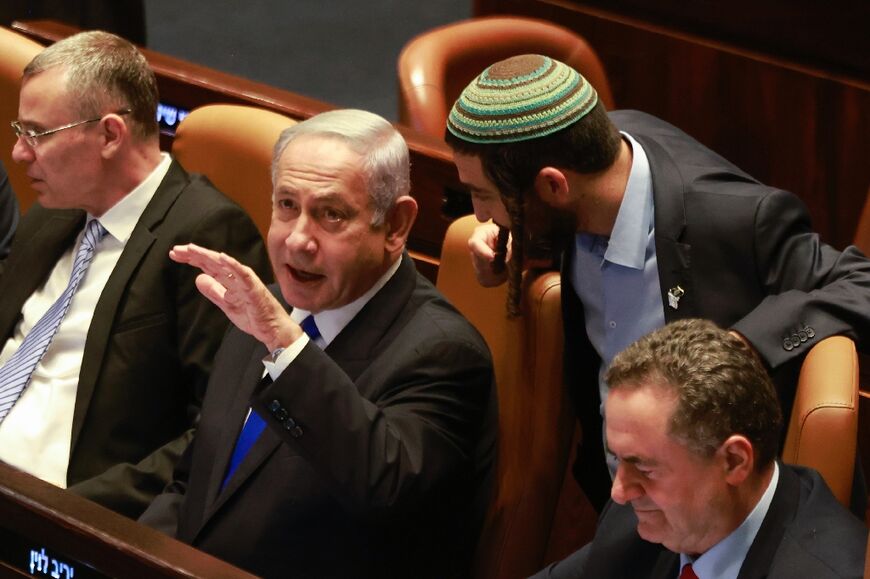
523, 97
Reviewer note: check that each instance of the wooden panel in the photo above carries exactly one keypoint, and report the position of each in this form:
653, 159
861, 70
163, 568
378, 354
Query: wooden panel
792, 126
83, 533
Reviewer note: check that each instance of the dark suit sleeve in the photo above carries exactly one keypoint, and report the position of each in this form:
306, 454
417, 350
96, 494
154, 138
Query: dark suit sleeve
199, 325
8, 215
808, 284
571, 567
163, 512
385, 455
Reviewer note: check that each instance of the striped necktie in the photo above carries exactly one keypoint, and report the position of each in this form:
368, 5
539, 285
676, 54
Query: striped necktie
255, 425
16, 373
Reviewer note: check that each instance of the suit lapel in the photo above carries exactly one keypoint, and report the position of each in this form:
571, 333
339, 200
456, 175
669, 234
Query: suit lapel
782, 511
34, 260
352, 350
355, 347
251, 381
666, 566
674, 258
134, 252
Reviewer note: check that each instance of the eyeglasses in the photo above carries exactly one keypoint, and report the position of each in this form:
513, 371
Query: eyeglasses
31, 137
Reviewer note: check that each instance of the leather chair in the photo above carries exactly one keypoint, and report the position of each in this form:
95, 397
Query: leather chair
823, 428
535, 418
232, 146
435, 66
15, 52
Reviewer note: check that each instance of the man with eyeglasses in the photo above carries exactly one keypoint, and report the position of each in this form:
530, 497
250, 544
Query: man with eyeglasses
105, 343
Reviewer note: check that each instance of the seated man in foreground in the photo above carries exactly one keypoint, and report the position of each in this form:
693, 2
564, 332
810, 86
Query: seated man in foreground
694, 421
349, 425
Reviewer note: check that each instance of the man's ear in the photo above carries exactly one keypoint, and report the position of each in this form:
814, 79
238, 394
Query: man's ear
114, 132
738, 458
551, 185
398, 223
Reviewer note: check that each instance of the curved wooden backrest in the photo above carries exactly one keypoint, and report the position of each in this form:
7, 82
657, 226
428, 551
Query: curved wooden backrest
41, 523
535, 419
435, 66
862, 233
823, 428
15, 52
232, 146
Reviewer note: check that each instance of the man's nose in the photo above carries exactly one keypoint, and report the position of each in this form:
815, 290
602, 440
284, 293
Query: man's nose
21, 151
301, 237
624, 489
481, 211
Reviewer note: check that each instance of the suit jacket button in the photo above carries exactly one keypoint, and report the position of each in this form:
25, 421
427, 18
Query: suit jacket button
296, 432
289, 423
274, 406
803, 336
281, 414
811, 333
787, 345
796, 340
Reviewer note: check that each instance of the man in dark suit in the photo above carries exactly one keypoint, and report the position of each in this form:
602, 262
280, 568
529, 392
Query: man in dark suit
695, 423
8, 215
652, 227
104, 358
371, 433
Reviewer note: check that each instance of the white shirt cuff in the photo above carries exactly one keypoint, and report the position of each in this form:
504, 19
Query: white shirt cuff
286, 357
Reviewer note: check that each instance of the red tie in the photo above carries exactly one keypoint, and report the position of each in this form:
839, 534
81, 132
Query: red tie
687, 572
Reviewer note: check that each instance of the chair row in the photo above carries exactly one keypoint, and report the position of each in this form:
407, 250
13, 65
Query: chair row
525, 525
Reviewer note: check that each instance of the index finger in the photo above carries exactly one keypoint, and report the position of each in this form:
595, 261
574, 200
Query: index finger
205, 259
482, 242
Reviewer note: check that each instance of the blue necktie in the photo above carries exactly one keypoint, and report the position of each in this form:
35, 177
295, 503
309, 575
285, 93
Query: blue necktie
255, 425
16, 373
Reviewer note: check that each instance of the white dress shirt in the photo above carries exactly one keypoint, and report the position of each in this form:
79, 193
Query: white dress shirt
36, 434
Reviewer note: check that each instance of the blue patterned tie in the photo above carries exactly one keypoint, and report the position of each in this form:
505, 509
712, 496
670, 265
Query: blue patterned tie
16, 373
255, 425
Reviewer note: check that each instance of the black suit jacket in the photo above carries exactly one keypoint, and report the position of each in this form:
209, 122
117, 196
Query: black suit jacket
378, 455
806, 534
747, 259
8, 215
152, 339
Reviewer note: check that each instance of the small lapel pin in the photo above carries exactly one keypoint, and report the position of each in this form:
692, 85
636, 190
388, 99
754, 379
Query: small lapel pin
674, 295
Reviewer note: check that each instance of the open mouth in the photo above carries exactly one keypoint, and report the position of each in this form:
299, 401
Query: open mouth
303, 276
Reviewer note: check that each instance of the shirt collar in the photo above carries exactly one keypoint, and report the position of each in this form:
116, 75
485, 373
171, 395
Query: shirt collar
724, 559
120, 220
331, 322
628, 240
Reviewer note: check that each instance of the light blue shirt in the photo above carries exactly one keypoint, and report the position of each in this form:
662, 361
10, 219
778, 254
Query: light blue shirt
724, 559
617, 279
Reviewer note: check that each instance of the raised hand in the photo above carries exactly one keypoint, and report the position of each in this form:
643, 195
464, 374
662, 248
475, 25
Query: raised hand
240, 294
483, 245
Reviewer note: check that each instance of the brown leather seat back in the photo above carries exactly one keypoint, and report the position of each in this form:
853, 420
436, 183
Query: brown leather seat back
535, 418
435, 66
15, 52
823, 428
232, 146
